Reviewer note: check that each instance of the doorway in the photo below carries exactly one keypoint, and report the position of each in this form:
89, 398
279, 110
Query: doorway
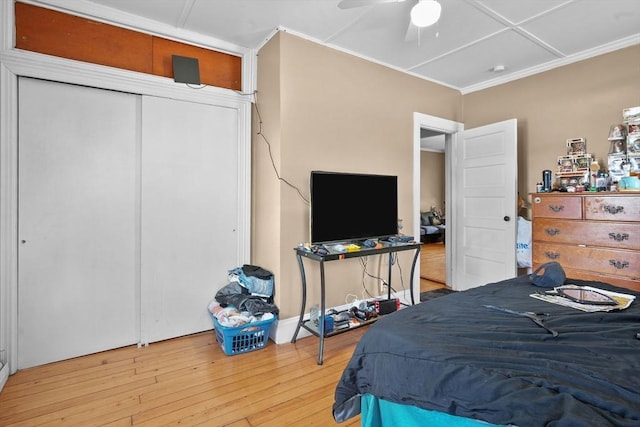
481, 168
432, 206
439, 134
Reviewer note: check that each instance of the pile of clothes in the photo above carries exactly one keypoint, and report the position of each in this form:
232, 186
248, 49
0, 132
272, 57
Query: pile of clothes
247, 298
231, 317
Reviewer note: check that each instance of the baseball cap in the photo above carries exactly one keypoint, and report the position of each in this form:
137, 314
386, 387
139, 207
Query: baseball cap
548, 275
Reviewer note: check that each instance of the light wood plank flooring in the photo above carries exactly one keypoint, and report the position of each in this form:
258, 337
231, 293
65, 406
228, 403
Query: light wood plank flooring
190, 381
432, 267
185, 381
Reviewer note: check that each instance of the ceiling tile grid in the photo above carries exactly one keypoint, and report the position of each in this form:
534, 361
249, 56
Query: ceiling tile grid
581, 25
471, 37
386, 41
474, 63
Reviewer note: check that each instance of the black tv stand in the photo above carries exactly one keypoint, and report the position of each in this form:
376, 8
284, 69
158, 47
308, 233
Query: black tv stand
302, 252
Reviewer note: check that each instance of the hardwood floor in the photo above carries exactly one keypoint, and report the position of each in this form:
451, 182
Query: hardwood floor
185, 381
432, 267
190, 381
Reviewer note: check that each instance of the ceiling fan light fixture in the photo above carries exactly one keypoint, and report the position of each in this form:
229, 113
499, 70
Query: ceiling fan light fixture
425, 13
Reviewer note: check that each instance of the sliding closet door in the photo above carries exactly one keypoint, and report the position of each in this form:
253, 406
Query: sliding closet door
189, 213
77, 221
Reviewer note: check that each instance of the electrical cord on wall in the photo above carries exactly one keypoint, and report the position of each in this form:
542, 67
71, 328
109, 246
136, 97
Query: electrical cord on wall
263, 136
191, 86
394, 260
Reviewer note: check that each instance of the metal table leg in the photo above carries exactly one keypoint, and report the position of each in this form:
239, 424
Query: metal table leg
413, 269
321, 323
304, 299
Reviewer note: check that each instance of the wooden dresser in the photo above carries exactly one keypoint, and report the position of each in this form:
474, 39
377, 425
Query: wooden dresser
594, 236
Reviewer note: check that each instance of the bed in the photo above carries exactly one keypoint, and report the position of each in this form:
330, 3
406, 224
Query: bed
452, 361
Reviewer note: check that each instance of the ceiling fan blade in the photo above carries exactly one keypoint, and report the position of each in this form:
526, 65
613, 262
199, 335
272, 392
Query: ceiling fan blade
412, 34
349, 4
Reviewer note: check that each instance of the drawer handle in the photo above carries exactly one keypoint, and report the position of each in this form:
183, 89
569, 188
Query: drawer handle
619, 265
556, 208
613, 209
619, 237
552, 231
552, 255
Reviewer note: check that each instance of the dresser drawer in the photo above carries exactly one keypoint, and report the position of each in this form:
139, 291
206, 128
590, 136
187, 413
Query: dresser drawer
606, 261
616, 235
612, 208
557, 207
605, 278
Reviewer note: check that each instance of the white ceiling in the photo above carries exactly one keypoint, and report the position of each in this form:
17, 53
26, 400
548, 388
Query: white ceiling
472, 36
432, 141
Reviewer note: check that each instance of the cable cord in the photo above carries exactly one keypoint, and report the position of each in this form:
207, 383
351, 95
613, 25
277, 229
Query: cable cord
192, 86
255, 103
263, 136
346, 299
404, 289
366, 274
394, 260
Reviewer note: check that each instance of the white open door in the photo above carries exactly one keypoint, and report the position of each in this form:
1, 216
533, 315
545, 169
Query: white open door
484, 202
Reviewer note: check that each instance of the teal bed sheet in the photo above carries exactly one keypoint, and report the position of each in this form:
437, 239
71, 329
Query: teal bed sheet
379, 412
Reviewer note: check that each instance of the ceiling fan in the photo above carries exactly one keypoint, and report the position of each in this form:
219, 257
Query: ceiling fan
423, 14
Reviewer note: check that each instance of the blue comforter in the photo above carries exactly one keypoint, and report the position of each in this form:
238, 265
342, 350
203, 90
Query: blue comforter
454, 355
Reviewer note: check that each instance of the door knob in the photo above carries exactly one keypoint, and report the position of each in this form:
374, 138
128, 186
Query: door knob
507, 218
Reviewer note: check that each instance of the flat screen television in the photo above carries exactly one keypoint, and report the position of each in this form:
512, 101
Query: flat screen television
352, 206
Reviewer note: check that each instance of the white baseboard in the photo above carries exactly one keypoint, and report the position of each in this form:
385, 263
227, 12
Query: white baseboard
4, 375
284, 330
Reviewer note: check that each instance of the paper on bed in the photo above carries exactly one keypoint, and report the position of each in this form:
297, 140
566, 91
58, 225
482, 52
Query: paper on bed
623, 300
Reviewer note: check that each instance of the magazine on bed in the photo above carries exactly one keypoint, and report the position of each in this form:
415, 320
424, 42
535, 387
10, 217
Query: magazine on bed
561, 296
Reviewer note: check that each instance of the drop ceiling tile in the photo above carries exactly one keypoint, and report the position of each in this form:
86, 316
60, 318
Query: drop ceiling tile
581, 25
433, 142
165, 11
520, 10
247, 22
380, 34
478, 33
473, 64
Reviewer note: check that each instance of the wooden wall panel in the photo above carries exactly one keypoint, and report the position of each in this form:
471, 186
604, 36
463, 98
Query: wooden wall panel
216, 68
67, 36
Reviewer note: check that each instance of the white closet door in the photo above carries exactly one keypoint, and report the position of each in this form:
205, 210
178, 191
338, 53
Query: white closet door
189, 213
77, 221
